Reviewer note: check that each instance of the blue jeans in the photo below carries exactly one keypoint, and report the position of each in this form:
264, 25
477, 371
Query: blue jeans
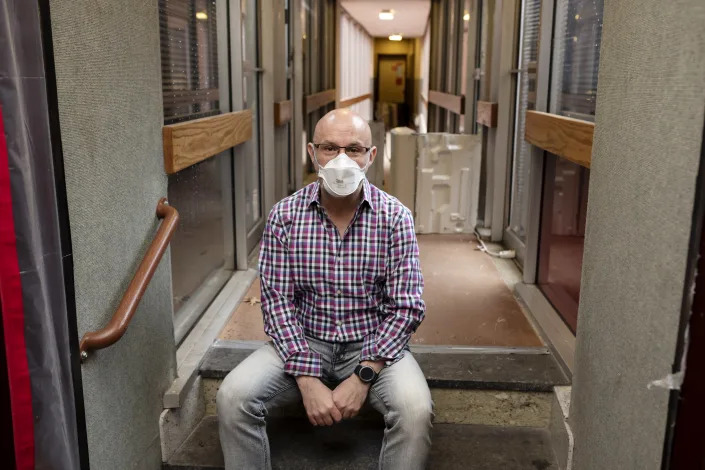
259, 384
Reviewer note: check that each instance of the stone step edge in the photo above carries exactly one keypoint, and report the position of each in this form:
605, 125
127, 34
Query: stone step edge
445, 367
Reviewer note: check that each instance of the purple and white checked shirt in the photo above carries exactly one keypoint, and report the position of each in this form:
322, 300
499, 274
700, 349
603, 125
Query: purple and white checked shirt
365, 286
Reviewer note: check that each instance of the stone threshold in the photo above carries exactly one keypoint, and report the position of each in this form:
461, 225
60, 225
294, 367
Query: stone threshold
454, 367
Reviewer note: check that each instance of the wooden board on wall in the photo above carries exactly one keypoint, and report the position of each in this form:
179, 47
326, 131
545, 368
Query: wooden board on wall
487, 113
190, 142
454, 103
566, 137
283, 110
317, 100
357, 99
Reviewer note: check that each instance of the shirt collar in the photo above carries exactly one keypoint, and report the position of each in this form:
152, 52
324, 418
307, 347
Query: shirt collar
314, 196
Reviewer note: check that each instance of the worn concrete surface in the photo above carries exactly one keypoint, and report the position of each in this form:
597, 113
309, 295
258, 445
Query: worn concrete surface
354, 445
486, 407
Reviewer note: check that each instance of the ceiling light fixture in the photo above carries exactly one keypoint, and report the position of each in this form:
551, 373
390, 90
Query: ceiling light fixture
201, 15
466, 17
386, 15
395, 37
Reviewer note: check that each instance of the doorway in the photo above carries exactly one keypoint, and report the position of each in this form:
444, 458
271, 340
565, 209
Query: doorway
392, 90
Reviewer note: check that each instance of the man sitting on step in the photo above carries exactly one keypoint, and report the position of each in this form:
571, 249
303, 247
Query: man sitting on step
341, 296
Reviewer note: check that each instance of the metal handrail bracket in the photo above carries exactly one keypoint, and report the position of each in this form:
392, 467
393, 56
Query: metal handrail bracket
115, 329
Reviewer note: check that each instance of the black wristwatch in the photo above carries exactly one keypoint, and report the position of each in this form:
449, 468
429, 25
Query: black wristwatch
366, 373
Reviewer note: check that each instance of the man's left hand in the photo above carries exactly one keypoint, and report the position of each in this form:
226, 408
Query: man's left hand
351, 394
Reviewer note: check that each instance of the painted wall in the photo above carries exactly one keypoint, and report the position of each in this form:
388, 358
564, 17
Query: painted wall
110, 107
646, 153
355, 57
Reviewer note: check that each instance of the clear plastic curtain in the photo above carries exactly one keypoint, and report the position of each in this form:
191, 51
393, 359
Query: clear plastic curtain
41, 258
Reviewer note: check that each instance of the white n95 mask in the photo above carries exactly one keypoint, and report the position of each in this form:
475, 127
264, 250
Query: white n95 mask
341, 176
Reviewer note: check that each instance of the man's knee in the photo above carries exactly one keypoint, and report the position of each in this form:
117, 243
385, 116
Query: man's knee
235, 398
414, 414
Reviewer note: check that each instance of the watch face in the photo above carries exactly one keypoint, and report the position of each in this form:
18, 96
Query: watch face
367, 373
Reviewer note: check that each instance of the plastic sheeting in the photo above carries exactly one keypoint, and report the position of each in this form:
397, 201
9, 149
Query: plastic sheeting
37, 228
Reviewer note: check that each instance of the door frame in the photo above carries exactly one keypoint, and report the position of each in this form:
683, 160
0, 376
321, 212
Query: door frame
535, 190
682, 446
246, 240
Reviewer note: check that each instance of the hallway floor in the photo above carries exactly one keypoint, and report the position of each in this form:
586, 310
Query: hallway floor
467, 301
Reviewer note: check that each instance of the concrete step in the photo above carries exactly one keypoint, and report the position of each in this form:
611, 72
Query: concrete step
353, 445
484, 386
478, 368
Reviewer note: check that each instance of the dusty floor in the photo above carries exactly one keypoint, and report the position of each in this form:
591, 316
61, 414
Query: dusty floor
467, 302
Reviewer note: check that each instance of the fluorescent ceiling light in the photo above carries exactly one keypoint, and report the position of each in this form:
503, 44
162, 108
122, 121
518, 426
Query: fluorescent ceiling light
386, 15
395, 37
201, 15
466, 17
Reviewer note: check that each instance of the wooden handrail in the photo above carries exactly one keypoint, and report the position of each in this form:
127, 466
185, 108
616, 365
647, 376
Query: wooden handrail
355, 100
454, 103
566, 137
191, 142
318, 100
94, 340
487, 113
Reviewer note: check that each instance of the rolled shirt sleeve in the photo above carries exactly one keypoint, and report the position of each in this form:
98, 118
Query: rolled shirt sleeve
403, 310
279, 312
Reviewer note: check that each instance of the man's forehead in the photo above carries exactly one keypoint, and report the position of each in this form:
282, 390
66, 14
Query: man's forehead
340, 124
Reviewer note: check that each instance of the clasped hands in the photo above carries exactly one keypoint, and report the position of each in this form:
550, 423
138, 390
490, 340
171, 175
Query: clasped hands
324, 406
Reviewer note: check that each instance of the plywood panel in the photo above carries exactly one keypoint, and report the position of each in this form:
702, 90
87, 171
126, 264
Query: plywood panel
566, 137
487, 113
283, 110
454, 103
190, 142
317, 100
352, 101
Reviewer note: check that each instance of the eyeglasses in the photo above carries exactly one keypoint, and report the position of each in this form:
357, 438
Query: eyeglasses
331, 150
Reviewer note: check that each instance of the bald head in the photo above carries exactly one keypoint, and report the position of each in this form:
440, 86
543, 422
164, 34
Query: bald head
342, 128
343, 124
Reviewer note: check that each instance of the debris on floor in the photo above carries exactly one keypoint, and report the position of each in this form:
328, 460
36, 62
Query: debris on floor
252, 300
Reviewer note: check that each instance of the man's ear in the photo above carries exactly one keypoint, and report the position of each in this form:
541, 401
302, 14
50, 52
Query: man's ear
310, 150
373, 154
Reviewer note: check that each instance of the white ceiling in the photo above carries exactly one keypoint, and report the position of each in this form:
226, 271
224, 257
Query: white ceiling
410, 16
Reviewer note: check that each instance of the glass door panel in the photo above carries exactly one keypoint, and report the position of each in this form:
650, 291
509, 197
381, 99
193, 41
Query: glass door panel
576, 54
576, 58
563, 235
201, 249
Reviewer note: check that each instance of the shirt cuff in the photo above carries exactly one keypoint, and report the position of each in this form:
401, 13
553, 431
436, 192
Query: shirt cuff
304, 363
370, 352
369, 349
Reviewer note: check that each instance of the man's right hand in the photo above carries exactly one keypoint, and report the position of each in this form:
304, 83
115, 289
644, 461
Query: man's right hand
318, 401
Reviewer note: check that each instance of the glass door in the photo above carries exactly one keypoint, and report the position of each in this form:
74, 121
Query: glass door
576, 56
202, 250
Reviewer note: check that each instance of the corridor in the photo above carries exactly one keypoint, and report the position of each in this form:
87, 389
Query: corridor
468, 301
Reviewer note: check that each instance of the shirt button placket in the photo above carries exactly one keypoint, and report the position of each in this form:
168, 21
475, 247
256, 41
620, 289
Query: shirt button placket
339, 292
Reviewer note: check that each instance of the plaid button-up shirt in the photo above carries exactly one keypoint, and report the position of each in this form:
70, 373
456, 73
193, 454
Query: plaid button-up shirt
364, 286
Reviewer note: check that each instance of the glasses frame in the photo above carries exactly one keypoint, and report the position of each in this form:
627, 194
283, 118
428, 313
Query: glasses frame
367, 149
